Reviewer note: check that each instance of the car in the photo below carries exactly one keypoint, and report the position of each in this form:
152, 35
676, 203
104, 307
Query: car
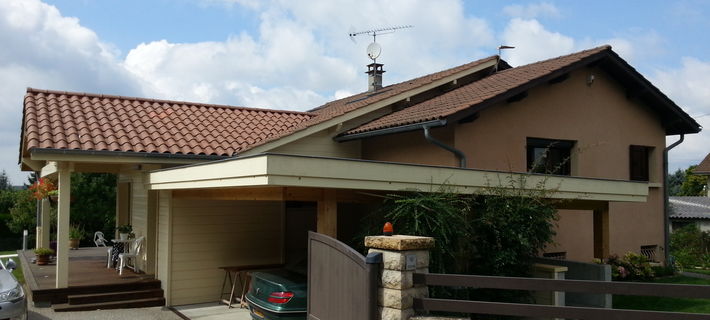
13, 301
278, 294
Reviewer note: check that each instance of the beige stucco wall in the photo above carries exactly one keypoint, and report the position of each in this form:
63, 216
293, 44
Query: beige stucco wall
602, 121
203, 235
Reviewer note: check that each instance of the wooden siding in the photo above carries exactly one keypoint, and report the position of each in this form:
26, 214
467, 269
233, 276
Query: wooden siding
321, 144
208, 234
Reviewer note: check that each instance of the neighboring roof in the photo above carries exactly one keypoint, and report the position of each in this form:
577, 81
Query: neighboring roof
83, 121
690, 207
507, 83
704, 167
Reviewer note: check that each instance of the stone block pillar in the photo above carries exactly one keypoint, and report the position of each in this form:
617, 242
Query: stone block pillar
402, 256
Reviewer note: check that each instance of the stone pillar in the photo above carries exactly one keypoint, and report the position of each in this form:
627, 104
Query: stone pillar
402, 256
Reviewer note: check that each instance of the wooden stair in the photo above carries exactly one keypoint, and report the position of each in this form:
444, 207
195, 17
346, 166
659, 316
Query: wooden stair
133, 295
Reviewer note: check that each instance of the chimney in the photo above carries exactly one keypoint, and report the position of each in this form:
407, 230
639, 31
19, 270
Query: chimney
374, 76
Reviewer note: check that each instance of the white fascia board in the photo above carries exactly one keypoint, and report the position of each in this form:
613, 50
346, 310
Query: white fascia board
319, 172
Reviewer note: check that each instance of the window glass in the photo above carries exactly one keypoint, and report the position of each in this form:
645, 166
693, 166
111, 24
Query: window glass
549, 156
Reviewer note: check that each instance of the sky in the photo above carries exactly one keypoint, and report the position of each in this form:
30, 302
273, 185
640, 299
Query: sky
297, 55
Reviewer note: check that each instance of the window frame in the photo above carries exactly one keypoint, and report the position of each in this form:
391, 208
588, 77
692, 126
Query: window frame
640, 163
564, 147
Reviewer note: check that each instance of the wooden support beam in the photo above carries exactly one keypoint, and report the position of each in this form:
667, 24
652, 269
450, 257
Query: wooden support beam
50, 169
328, 214
601, 232
62, 275
46, 224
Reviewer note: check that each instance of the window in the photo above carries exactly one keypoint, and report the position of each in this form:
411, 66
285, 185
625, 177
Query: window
650, 252
638, 162
549, 156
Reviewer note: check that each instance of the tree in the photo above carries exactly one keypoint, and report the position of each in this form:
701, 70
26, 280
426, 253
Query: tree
23, 213
675, 181
4, 181
93, 205
693, 185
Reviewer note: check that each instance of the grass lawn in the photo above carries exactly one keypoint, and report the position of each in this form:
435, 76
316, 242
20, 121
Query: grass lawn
698, 271
666, 304
18, 272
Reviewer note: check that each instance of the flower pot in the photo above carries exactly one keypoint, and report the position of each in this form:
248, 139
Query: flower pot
42, 259
123, 236
74, 244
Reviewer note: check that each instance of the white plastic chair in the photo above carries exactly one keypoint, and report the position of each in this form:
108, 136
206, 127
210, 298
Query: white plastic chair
99, 239
132, 254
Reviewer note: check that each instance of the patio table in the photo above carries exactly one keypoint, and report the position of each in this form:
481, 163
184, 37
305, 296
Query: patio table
119, 246
240, 273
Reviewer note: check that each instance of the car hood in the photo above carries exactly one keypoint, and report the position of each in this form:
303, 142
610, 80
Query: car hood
7, 281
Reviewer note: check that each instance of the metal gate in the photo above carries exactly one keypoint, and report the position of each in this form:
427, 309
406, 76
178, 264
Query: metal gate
342, 284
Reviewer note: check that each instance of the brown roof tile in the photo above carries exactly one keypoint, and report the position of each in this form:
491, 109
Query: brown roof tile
474, 93
82, 121
704, 166
342, 106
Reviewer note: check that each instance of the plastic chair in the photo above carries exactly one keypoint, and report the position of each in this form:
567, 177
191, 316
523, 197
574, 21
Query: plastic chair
99, 239
132, 254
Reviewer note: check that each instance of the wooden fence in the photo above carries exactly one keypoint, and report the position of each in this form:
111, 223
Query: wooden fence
533, 284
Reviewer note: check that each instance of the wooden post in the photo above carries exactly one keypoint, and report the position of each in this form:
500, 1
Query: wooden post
62, 275
327, 218
46, 223
601, 232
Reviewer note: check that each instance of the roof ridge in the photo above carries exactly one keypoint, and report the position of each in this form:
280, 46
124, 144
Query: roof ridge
472, 63
583, 52
208, 105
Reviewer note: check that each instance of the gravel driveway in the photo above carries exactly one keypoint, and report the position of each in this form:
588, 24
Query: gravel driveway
118, 314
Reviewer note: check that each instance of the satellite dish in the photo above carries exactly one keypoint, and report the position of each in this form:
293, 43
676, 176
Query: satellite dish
374, 50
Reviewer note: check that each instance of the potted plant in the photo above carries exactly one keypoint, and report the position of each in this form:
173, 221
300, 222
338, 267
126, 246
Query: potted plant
43, 255
124, 230
76, 233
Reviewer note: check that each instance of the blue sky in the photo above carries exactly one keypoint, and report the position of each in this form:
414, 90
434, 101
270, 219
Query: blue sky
296, 54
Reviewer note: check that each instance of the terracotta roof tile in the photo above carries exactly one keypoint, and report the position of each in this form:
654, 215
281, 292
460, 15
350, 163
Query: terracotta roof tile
704, 166
81, 121
474, 93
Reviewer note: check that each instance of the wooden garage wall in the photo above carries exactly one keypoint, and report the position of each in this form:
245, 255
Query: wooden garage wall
208, 234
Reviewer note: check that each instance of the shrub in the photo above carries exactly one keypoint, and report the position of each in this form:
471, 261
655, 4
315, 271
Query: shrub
43, 251
630, 267
690, 247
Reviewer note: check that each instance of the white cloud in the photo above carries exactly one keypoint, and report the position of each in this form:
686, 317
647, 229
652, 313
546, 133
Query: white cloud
688, 87
533, 42
43, 49
531, 11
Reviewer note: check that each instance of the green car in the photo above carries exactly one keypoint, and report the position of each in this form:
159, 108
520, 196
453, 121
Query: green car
277, 294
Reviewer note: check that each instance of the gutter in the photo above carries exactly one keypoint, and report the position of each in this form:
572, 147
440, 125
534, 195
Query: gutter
126, 154
666, 205
386, 131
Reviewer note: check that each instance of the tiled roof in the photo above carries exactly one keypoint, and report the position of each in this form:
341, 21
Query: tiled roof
475, 93
81, 121
703, 167
339, 107
690, 207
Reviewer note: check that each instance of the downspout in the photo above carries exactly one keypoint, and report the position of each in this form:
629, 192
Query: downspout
459, 155
666, 207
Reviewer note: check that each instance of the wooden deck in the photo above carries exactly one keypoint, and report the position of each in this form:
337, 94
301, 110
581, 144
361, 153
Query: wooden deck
87, 275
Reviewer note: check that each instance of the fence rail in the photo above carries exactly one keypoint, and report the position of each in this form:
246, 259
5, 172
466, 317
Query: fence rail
533, 284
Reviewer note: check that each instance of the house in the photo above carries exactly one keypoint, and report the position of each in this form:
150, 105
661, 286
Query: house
703, 169
690, 210
212, 185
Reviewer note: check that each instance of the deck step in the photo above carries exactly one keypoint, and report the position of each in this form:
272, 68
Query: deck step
58, 296
114, 296
135, 303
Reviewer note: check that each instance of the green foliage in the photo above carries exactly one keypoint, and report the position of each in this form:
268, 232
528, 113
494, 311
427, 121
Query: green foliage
23, 213
4, 181
93, 204
675, 180
663, 303
693, 185
441, 215
630, 267
76, 232
43, 251
124, 228
690, 247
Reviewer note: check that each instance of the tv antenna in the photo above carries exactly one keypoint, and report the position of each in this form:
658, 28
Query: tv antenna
374, 49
